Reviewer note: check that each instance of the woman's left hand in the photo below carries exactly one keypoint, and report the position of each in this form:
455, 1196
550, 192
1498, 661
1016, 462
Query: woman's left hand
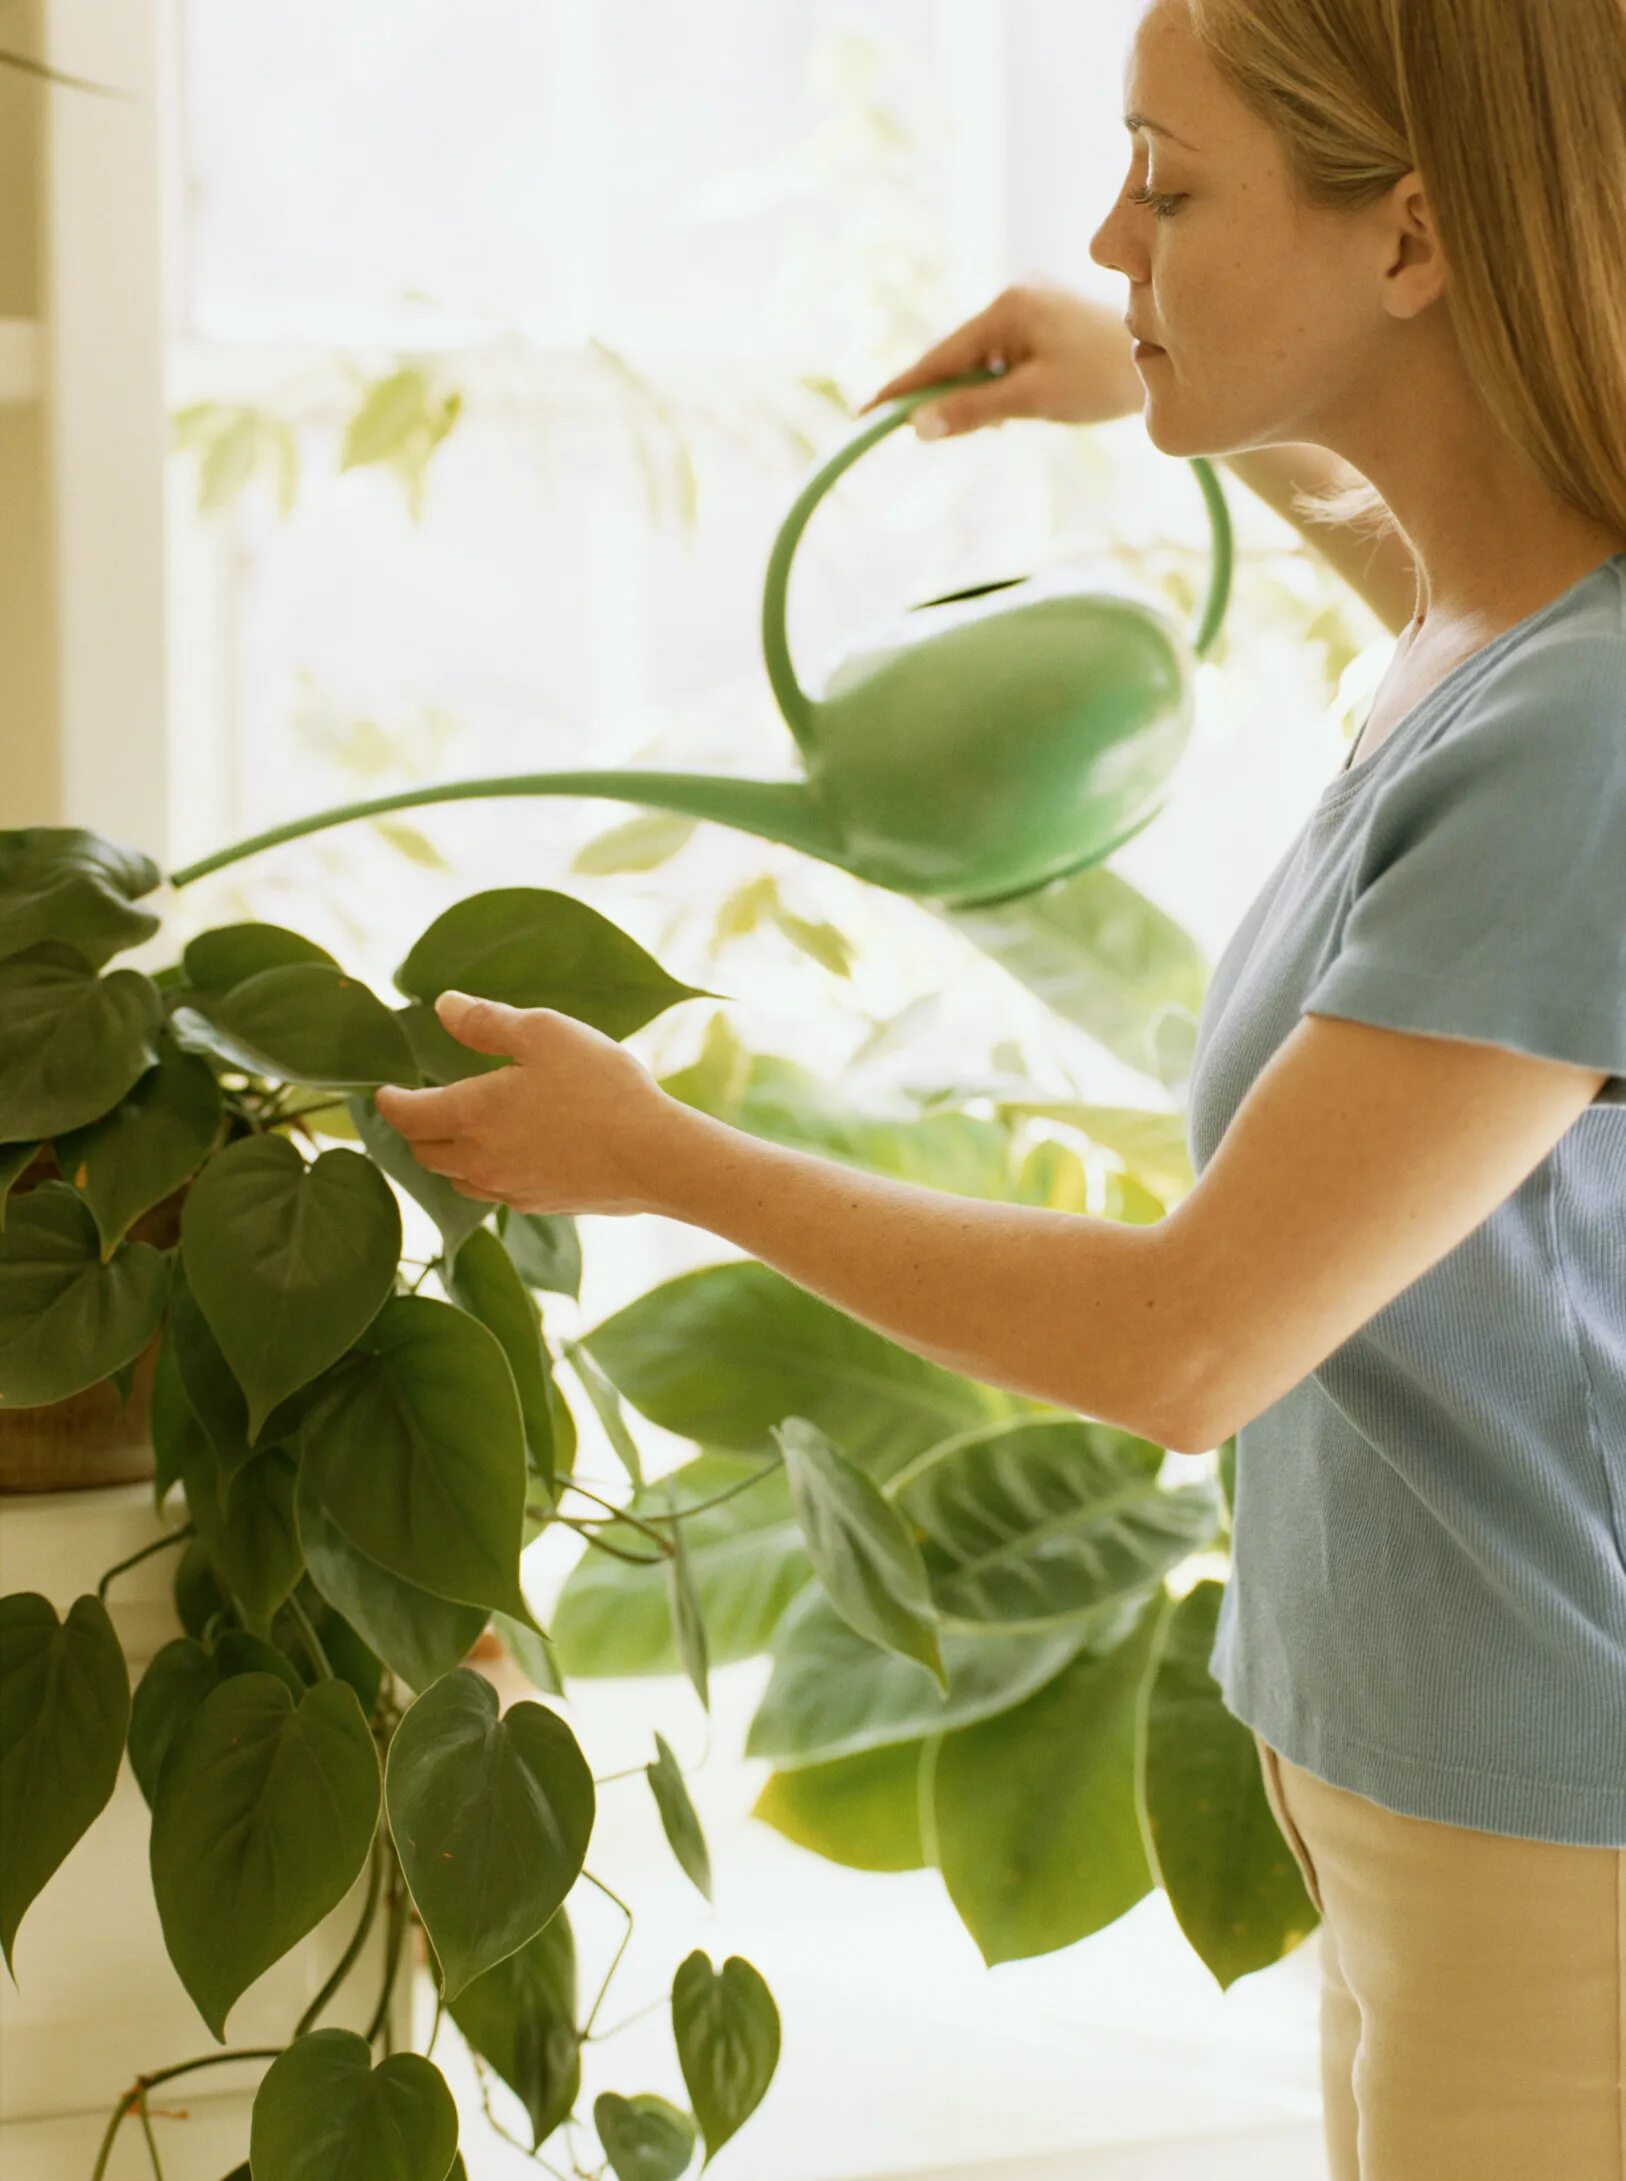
574, 1126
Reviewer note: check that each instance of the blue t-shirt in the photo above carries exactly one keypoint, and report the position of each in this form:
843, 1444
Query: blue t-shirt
1427, 1601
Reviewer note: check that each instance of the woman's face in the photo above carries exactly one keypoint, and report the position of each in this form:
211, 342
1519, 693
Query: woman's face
1271, 317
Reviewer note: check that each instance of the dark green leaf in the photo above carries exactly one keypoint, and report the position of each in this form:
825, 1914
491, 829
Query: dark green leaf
727, 2031
155, 1138
520, 2015
531, 947
417, 1635
456, 1216
302, 1022
71, 1042
230, 954
61, 882
323, 2112
861, 1549
491, 1817
66, 1319
645, 2138
263, 1819
679, 1821
64, 1709
482, 1280
288, 1261
546, 1249
417, 1452
15, 1160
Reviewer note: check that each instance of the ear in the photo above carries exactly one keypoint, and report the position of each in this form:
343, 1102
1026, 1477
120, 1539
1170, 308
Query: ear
487, 1026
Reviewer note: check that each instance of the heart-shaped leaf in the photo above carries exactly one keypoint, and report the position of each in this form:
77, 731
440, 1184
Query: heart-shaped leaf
532, 947
213, 1394
64, 1708
178, 1678
491, 1817
71, 1042
64, 883
288, 1262
861, 1549
417, 1635
417, 1451
863, 1810
301, 1022
323, 2112
546, 1249
520, 2015
244, 1518
155, 1138
263, 1818
482, 1280
646, 2138
727, 2031
679, 1820
66, 1319
218, 960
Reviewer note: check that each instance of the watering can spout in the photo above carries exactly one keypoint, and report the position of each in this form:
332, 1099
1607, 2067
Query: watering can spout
787, 811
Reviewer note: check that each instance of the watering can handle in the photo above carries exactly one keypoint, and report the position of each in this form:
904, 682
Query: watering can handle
794, 701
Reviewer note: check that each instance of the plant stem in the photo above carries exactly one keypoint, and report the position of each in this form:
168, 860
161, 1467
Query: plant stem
313, 1642
587, 2026
358, 1940
626, 2021
146, 2082
620, 1514
699, 1506
633, 1559
158, 1544
392, 1952
146, 2129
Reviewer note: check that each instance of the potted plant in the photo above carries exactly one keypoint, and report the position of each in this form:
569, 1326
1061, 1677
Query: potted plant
193, 1291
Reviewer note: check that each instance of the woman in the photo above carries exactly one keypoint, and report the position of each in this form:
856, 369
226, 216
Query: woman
1381, 239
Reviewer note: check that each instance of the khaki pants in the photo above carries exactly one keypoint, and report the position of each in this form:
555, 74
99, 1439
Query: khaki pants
1473, 1992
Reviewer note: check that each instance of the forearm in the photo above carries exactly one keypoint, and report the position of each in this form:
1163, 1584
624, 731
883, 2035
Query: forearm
1053, 1305
1381, 570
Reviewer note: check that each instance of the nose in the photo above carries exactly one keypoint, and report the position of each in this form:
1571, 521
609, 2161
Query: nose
1111, 244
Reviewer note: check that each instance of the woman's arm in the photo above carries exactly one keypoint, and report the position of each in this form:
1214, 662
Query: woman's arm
1381, 570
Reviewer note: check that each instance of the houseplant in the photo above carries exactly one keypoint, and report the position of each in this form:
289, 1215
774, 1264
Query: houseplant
361, 1464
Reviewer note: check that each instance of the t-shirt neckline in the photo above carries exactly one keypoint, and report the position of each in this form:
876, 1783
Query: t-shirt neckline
1343, 783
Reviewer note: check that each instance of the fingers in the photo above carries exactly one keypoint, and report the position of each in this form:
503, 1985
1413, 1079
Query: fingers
983, 339
425, 1115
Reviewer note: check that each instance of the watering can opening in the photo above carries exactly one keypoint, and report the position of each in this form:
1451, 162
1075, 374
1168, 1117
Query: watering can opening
970, 759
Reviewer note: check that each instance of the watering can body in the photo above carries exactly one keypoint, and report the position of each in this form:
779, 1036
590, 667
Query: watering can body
972, 751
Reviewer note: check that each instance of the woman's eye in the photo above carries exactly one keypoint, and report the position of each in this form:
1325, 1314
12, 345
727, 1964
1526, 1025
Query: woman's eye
1162, 206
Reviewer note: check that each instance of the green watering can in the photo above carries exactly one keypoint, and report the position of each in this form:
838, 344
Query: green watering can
969, 758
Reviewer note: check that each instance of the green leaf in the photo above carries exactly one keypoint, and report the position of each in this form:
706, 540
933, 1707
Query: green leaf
531, 1653
351, 1659
640, 844
727, 2031
831, 1694
827, 946
198, 1592
229, 460
64, 1708
688, 1625
155, 1138
722, 1354
679, 1821
66, 884
1034, 1813
15, 1160
212, 1393
607, 1407
227, 956
393, 406
646, 2138
1101, 955
263, 1818
1033, 1522
417, 1635
1152, 1146
71, 1042
546, 1249
288, 1261
323, 2112
178, 1678
520, 2015
534, 948
863, 1810
491, 1817
482, 1279
302, 1022
860, 1547
746, 1563
417, 1452
66, 1319
456, 1216
1232, 1882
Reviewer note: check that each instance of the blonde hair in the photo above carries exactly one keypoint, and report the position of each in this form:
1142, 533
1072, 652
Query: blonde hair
1514, 114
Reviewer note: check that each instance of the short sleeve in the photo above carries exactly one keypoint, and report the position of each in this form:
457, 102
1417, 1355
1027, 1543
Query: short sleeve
1490, 898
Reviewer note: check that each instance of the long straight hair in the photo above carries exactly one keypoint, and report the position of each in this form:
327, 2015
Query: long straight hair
1514, 114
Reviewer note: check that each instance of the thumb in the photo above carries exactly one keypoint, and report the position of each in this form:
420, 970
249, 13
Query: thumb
487, 1026
972, 407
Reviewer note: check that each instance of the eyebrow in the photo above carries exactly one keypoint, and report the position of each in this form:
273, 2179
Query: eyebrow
1139, 121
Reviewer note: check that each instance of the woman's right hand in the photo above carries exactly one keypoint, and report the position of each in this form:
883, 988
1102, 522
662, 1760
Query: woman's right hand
1066, 357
